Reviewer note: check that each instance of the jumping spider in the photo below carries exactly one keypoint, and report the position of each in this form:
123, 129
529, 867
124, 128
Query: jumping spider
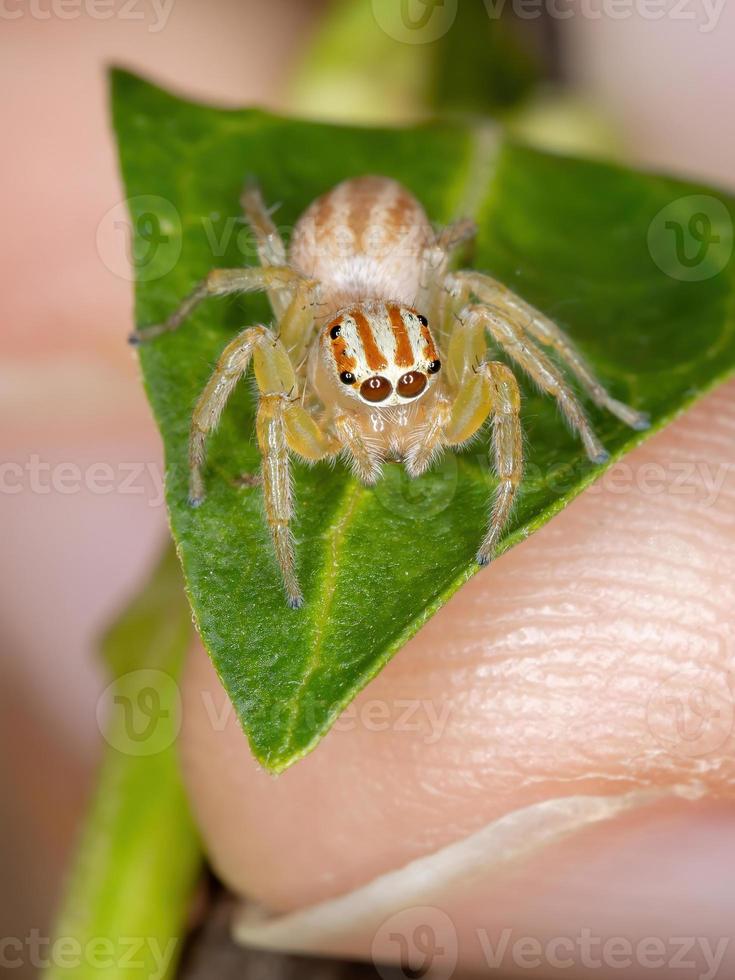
380, 352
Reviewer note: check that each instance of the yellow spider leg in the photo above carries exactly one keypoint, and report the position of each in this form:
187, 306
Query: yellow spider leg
296, 326
528, 319
283, 425
436, 260
492, 388
220, 282
543, 371
466, 350
231, 366
458, 421
271, 433
280, 424
507, 449
271, 250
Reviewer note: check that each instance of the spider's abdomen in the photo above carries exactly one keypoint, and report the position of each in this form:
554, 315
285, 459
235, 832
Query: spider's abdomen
363, 240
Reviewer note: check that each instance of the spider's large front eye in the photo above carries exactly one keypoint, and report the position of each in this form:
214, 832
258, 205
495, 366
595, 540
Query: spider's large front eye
412, 384
376, 389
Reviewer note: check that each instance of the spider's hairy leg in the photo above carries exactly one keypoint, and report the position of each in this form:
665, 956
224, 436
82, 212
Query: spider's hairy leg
221, 282
521, 348
530, 320
364, 458
271, 432
435, 263
507, 450
231, 366
296, 325
455, 234
491, 388
282, 425
271, 249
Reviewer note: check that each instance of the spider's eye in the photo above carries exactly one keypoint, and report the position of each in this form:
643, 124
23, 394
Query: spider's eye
347, 378
422, 320
335, 331
434, 366
412, 384
375, 389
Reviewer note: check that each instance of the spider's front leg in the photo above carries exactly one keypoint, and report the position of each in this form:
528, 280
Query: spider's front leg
222, 282
469, 335
434, 296
282, 425
521, 328
487, 389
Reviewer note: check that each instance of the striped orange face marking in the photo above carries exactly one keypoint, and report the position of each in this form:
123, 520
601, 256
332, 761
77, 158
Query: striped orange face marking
342, 360
373, 354
404, 351
429, 348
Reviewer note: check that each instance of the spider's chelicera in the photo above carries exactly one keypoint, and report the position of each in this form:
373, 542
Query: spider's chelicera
380, 352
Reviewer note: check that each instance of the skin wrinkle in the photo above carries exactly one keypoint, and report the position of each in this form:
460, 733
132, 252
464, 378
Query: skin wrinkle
563, 644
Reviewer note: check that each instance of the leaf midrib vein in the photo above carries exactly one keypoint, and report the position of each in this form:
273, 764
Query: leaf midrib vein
352, 497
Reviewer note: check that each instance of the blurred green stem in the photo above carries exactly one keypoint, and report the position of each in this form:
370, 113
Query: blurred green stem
139, 856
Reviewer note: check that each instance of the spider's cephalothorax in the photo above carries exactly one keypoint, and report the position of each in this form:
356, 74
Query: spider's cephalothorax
380, 352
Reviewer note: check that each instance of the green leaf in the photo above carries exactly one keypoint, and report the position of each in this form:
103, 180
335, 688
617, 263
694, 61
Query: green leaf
138, 858
588, 243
